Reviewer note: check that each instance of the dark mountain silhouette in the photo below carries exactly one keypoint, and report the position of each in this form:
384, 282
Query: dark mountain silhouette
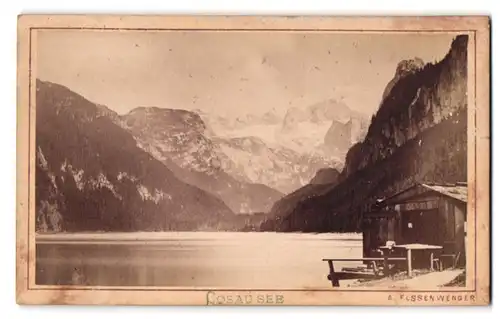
326, 176
90, 175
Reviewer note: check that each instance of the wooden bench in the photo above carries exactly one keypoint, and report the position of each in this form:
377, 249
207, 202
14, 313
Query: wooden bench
335, 276
453, 257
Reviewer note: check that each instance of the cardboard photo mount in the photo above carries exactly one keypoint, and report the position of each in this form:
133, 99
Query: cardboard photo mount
477, 288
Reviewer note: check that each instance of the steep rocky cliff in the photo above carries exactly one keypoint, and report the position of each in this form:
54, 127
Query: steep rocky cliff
418, 133
421, 98
90, 175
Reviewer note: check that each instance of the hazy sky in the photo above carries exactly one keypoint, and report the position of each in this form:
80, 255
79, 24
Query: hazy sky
229, 72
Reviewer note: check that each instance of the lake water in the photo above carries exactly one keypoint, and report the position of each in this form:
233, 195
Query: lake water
192, 259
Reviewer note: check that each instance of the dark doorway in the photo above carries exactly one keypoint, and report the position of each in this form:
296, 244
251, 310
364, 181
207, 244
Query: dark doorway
421, 226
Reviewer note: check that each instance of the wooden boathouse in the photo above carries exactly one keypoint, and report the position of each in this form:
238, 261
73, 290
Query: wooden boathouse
428, 214
421, 227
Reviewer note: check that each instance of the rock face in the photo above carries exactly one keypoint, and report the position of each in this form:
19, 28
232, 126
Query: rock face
404, 68
178, 139
90, 175
418, 134
338, 137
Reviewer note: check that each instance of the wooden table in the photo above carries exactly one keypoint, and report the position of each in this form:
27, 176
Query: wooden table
409, 248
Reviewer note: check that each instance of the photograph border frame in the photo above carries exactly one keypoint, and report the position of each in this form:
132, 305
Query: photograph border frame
477, 26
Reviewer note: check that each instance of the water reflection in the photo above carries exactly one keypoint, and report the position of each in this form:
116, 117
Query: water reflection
257, 260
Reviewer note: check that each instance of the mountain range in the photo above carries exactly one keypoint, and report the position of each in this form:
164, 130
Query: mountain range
419, 133
285, 151
157, 168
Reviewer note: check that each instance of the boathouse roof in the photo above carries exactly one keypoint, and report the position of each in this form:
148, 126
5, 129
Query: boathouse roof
457, 191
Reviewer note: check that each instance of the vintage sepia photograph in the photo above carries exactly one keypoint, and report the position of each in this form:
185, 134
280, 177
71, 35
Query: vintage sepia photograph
228, 158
